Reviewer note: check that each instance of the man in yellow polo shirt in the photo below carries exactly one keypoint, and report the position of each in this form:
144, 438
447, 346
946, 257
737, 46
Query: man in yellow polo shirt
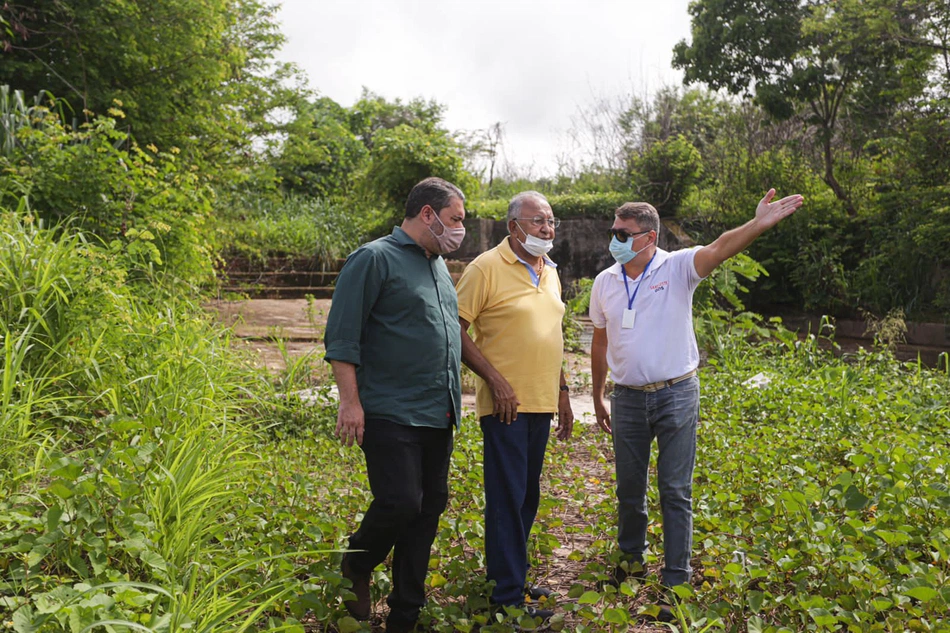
511, 297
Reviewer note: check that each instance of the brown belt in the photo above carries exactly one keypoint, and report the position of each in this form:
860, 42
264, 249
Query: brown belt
663, 384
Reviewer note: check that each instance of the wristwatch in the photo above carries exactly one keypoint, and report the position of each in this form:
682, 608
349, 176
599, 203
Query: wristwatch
565, 388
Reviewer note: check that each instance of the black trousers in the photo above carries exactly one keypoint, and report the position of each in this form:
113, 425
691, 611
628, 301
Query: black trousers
408, 470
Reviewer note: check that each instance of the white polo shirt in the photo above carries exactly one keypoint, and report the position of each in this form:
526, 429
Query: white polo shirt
661, 345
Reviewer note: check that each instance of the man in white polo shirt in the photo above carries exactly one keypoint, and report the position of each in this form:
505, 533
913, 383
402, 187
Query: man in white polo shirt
641, 309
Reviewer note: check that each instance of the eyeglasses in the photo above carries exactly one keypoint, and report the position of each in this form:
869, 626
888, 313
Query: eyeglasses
540, 220
623, 234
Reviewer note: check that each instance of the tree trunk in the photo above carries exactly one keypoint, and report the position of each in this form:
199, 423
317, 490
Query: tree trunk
829, 177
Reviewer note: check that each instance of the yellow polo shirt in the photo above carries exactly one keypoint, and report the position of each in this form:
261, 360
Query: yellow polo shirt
516, 326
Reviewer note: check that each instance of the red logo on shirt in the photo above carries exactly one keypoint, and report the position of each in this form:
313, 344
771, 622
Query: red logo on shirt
660, 286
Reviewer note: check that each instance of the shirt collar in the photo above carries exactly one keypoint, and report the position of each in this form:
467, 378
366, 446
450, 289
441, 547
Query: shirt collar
661, 257
402, 238
510, 256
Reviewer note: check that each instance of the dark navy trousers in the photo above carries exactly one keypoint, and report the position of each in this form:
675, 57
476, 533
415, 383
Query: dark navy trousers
513, 459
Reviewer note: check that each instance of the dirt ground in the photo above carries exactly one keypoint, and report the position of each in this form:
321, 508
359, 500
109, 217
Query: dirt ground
264, 326
281, 331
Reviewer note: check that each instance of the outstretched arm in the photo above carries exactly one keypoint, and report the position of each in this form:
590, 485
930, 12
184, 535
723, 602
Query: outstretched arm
767, 215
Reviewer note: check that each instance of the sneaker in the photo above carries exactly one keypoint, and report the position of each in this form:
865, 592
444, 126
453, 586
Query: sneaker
537, 592
358, 608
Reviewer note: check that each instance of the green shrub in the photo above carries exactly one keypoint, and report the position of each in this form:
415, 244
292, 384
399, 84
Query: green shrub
568, 205
123, 447
260, 227
143, 202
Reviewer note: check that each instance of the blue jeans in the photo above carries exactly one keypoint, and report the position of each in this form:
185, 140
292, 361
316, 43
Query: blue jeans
670, 415
513, 458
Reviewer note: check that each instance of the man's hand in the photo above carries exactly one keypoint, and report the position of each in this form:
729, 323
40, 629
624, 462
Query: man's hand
350, 423
504, 398
565, 416
601, 411
769, 213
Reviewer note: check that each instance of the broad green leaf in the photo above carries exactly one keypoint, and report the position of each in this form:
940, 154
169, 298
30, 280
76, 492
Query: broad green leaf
53, 516
153, 560
755, 600
924, 594
23, 621
348, 624
589, 597
61, 490
822, 617
892, 538
853, 499
616, 616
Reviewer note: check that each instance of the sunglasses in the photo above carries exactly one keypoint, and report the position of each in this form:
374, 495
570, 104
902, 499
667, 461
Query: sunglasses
622, 234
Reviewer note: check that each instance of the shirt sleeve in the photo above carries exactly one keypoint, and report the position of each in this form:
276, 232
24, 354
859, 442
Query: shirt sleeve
687, 260
357, 289
596, 309
473, 291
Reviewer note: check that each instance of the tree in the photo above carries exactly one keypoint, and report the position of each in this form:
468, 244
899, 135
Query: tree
402, 156
825, 56
320, 155
195, 74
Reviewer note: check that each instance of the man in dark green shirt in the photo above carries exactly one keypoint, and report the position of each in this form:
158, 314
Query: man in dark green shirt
394, 343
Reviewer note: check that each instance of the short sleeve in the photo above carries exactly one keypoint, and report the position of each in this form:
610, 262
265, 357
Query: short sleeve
597, 315
688, 266
472, 290
357, 289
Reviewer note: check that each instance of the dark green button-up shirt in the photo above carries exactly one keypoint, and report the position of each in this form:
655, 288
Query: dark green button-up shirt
395, 316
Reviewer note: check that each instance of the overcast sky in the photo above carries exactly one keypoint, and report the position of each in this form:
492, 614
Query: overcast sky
527, 64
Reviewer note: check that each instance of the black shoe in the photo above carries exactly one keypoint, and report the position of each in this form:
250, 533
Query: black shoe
626, 569
537, 592
399, 626
530, 611
358, 608
664, 613
534, 612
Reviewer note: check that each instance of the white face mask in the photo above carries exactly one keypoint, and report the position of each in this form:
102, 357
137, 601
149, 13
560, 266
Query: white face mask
535, 245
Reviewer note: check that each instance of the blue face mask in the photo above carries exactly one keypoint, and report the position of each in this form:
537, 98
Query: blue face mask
623, 251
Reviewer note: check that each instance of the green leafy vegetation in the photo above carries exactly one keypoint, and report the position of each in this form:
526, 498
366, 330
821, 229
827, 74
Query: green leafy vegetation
292, 225
153, 480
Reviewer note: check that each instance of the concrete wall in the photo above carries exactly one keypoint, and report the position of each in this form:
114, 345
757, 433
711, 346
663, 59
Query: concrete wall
580, 246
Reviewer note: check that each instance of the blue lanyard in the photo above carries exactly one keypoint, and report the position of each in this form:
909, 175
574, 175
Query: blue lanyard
637, 289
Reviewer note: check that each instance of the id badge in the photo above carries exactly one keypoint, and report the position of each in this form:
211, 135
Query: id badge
629, 318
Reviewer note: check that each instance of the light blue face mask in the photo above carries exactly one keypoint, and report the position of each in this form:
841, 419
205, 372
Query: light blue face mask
623, 251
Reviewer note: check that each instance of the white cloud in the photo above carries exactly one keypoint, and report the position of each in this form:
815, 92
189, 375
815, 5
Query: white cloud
528, 64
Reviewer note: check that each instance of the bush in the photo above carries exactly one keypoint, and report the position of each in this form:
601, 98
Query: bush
569, 205
292, 226
665, 172
122, 450
144, 202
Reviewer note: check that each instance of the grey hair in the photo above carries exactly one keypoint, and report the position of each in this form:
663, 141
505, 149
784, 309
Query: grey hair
642, 213
514, 207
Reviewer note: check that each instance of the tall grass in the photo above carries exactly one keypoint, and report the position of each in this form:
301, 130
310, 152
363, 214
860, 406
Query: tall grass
123, 452
292, 226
